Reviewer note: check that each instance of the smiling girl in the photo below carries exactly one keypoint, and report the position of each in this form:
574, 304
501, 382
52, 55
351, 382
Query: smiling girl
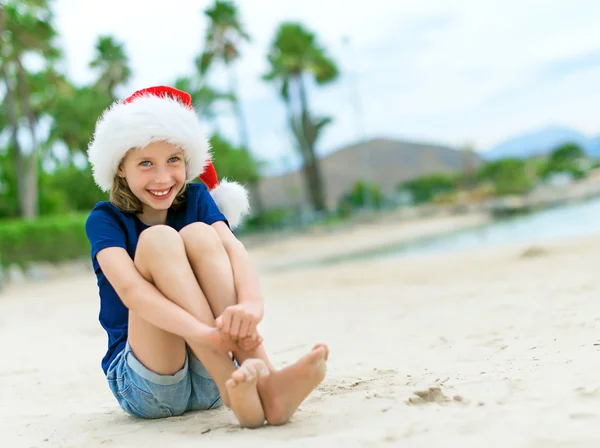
179, 299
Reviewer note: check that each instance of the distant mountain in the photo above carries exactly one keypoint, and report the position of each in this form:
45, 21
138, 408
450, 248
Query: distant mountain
386, 162
540, 142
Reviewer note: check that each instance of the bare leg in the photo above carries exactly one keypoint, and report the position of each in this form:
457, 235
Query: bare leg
283, 390
161, 259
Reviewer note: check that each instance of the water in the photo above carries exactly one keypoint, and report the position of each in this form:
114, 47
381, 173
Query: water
578, 219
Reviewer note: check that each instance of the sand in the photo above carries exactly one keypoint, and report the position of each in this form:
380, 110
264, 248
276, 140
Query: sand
491, 347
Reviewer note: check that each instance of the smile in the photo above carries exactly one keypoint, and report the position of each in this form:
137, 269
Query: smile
160, 193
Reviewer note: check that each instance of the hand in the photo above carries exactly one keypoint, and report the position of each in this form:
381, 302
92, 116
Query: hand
220, 342
223, 343
239, 322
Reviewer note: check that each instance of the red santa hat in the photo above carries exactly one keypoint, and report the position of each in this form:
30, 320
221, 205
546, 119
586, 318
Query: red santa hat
163, 114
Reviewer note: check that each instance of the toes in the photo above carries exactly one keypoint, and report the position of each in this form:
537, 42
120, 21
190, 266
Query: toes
249, 374
257, 367
239, 375
321, 345
320, 351
249, 371
260, 368
251, 368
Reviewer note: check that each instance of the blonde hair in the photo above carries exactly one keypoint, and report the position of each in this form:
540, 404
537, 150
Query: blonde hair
123, 198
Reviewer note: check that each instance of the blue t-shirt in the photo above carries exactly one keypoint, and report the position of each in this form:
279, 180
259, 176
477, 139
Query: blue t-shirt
107, 226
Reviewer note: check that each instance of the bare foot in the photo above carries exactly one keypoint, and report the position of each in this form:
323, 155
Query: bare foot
284, 390
244, 400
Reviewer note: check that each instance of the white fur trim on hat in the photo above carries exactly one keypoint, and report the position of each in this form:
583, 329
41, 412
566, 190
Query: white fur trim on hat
232, 200
146, 119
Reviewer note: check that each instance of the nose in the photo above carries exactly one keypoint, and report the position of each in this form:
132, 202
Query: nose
162, 175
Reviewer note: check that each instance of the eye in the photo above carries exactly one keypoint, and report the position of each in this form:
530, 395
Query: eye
145, 163
174, 159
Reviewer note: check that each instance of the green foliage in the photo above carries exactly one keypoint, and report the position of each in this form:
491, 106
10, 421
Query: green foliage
565, 159
272, 219
223, 37
567, 152
53, 238
509, 176
8, 186
75, 111
363, 194
424, 189
295, 50
112, 65
204, 98
30, 29
294, 55
69, 189
232, 162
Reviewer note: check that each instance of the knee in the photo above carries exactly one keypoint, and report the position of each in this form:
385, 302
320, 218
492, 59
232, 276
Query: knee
159, 238
201, 238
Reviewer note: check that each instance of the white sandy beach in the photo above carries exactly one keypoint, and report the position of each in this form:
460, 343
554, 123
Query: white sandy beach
481, 348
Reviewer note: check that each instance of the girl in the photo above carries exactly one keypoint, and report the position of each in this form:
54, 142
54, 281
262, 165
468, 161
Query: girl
178, 295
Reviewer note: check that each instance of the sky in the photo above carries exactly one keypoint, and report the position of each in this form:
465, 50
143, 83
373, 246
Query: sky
467, 72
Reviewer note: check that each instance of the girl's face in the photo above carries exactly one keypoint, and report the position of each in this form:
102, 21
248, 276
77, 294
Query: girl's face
155, 175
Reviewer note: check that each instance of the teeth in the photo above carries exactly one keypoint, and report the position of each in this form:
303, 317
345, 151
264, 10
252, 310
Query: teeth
160, 193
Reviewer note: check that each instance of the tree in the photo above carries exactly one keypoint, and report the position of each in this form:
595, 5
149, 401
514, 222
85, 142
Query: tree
425, 188
233, 162
25, 28
112, 64
74, 110
74, 113
568, 151
566, 159
355, 198
509, 176
204, 98
224, 36
294, 55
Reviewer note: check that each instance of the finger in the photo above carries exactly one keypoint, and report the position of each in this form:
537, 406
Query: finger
235, 327
254, 342
251, 331
226, 318
244, 327
219, 322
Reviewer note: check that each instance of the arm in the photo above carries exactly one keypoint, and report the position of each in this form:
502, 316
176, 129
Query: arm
244, 274
143, 298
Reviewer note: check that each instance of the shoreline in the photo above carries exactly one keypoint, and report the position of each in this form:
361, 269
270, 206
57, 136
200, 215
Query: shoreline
307, 249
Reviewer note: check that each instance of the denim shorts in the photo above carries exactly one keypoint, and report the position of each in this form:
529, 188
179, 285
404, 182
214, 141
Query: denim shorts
146, 394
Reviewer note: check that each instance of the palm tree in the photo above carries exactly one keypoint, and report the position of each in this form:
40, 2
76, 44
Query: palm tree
204, 97
74, 109
112, 64
294, 55
223, 38
25, 28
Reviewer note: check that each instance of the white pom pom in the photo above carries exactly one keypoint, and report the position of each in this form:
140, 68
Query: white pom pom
232, 200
